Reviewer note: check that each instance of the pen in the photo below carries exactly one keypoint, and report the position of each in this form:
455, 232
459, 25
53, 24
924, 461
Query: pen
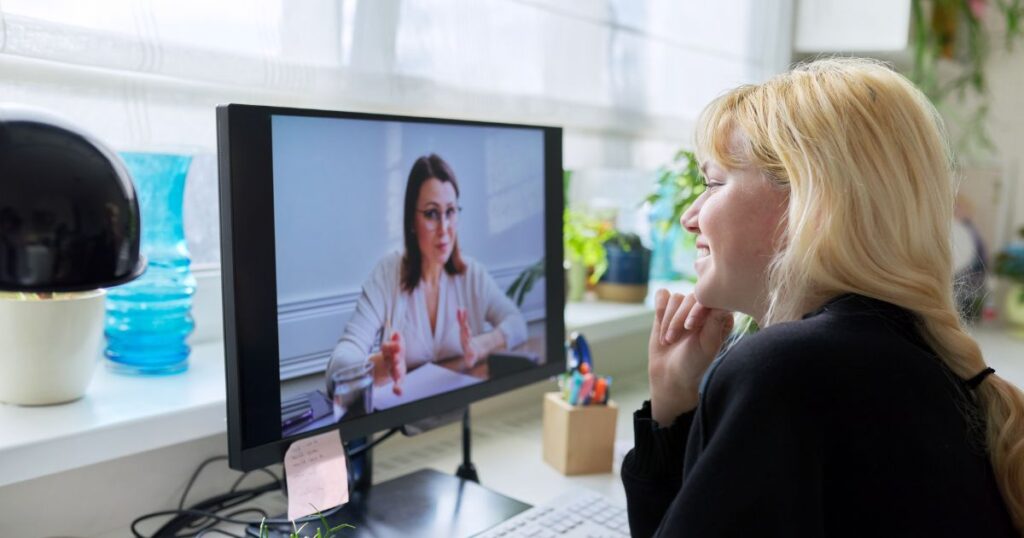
296, 418
586, 388
599, 390
574, 389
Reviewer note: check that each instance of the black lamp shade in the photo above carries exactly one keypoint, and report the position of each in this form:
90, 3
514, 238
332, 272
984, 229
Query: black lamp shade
69, 218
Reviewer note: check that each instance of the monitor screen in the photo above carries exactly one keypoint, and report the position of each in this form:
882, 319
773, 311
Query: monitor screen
382, 269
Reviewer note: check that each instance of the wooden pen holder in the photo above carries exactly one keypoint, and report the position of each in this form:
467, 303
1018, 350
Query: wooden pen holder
579, 439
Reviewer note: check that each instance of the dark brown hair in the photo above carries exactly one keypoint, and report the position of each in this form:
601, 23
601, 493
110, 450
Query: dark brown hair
426, 167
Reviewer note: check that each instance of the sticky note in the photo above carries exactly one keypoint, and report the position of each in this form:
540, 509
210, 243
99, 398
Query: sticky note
316, 473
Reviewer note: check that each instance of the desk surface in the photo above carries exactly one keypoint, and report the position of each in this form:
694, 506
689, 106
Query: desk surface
506, 449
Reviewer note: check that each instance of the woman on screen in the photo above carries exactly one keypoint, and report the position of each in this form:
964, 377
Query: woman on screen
861, 407
428, 302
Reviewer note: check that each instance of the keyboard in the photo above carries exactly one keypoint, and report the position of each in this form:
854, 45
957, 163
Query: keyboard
577, 514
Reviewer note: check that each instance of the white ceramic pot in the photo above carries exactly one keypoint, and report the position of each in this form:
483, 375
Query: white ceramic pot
49, 348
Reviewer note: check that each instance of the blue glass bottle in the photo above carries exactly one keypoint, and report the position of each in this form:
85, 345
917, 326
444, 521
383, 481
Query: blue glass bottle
150, 318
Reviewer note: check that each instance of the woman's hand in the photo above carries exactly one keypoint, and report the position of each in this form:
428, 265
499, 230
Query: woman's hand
392, 363
684, 340
471, 351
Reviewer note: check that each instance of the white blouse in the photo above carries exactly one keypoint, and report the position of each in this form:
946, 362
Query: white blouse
382, 301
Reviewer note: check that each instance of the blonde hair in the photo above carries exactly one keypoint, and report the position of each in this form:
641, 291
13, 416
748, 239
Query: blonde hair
871, 191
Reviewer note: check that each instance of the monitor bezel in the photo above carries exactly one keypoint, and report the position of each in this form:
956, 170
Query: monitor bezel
249, 289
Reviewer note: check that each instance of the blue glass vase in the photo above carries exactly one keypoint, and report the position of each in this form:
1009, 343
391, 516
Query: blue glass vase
149, 319
663, 239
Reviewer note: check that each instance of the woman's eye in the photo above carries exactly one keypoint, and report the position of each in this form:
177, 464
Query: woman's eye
449, 213
431, 214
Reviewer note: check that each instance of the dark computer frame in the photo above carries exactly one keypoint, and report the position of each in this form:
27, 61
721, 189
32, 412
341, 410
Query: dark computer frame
248, 276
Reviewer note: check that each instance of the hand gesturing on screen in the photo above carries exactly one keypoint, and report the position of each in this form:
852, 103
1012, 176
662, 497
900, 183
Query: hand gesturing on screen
470, 353
393, 354
685, 338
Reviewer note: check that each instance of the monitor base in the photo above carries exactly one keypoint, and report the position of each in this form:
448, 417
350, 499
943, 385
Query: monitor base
422, 503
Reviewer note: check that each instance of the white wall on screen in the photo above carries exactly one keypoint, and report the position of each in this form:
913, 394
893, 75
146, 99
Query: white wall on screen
339, 188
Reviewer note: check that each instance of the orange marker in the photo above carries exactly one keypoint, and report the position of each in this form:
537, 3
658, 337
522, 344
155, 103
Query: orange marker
599, 390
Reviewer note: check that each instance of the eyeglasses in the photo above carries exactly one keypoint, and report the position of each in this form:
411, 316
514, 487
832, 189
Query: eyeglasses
433, 216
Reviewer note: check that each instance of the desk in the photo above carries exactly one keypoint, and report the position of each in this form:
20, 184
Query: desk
318, 408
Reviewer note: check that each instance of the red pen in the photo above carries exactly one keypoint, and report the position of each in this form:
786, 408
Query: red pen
585, 390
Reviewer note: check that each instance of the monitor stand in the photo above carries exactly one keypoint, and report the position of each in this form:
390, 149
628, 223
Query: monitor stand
422, 503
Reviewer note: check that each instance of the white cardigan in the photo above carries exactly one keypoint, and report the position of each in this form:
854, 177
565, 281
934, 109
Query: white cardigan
383, 300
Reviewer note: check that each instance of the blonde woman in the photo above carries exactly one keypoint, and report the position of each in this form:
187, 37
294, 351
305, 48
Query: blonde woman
861, 407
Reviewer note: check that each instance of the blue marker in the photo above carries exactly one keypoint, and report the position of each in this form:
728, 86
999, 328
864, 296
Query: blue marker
574, 387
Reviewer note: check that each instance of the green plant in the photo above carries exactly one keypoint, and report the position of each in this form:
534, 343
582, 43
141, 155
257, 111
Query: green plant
955, 30
583, 237
331, 532
524, 282
626, 241
1010, 264
681, 182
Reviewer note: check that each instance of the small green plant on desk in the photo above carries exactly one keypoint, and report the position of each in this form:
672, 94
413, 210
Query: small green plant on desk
331, 532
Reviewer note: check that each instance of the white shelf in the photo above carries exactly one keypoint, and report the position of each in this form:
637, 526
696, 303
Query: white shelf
124, 415
119, 415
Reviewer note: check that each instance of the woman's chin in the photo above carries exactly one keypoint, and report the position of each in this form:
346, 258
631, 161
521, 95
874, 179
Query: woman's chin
705, 293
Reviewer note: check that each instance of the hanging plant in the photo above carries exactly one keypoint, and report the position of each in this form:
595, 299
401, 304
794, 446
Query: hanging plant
954, 31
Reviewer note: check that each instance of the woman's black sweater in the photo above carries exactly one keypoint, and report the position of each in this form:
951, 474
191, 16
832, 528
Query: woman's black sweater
844, 423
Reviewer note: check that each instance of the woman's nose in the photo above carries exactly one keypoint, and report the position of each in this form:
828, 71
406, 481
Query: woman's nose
689, 218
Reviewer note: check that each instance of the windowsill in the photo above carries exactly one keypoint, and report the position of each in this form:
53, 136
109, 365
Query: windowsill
123, 415
119, 416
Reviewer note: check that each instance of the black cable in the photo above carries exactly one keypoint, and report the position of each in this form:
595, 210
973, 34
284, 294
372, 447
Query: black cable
204, 522
305, 519
225, 533
219, 505
202, 517
187, 511
205, 509
211, 526
276, 478
191, 481
373, 443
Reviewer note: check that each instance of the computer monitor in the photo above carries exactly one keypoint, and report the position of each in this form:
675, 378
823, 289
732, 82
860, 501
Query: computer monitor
352, 241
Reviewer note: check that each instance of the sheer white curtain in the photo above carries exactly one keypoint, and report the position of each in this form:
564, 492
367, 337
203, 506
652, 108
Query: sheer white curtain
624, 78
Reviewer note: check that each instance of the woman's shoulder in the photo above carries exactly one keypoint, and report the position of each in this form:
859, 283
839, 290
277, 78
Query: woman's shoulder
852, 339
388, 266
784, 354
475, 270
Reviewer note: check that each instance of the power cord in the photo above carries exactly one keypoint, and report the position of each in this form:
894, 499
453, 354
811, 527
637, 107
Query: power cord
201, 518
